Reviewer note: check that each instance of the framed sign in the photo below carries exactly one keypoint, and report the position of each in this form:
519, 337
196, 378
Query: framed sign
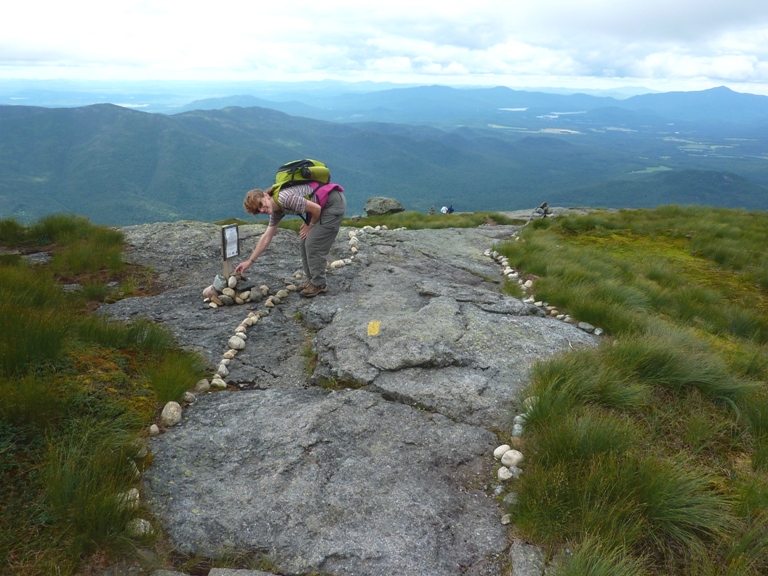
230, 242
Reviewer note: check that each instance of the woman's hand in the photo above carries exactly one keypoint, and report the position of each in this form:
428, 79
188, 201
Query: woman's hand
304, 230
243, 266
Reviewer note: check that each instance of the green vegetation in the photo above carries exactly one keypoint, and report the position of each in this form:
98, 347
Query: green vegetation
649, 454
76, 393
653, 187
420, 221
417, 221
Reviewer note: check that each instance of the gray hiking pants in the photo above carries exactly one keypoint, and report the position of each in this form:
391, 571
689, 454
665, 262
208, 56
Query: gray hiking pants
316, 246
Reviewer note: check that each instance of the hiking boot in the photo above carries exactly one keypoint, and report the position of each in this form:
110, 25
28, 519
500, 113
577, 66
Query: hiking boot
303, 285
311, 290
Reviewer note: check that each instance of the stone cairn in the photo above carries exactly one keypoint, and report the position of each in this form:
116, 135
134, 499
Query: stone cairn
543, 211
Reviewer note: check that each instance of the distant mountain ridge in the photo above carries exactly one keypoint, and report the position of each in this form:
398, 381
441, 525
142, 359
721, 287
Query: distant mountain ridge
715, 104
122, 166
426, 104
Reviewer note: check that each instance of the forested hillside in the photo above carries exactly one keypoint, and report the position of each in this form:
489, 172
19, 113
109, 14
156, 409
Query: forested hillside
121, 166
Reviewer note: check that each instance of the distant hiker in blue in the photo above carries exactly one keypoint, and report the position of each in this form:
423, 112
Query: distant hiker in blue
325, 207
450, 209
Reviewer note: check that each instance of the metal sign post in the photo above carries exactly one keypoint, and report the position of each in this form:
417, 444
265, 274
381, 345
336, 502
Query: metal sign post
230, 246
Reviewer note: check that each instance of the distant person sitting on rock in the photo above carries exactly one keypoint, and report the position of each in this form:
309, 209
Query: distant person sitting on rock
444, 209
431, 210
450, 209
316, 235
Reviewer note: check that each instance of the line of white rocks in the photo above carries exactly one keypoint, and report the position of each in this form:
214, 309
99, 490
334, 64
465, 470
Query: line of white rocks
511, 458
510, 455
171, 413
527, 286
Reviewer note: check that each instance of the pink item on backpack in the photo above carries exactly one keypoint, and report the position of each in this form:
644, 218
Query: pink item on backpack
322, 191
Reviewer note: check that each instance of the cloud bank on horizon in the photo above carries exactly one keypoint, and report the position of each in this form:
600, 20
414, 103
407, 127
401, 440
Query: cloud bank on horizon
683, 45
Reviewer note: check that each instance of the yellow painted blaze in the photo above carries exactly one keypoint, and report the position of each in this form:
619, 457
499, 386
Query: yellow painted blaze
373, 327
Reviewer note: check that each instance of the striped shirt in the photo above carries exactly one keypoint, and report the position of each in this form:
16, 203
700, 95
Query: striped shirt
293, 201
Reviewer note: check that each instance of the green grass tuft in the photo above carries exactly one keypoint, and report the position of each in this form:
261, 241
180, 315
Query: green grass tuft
32, 325
176, 373
142, 334
85, 473
12, 232
594, 558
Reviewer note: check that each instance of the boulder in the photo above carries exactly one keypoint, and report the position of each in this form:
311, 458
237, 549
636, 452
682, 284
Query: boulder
380, 205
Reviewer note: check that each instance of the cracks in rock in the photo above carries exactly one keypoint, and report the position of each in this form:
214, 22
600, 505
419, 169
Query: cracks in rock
257, 383
309, 447
404, 399
426, 254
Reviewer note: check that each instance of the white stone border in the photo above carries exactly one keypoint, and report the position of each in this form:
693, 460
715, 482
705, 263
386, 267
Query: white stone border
527, 286
510, 457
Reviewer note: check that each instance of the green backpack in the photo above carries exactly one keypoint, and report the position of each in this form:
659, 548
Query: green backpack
300, 172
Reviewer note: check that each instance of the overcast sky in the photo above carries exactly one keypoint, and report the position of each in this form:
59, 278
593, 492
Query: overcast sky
660, 44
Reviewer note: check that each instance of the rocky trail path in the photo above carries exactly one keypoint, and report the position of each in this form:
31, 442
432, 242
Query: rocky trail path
357, 431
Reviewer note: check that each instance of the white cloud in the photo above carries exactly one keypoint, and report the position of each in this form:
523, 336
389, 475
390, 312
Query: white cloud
483, 41
732, 67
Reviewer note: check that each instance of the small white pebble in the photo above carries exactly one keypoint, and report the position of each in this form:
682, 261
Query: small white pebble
129, 499
500, 451
218, 383
512, 458
504, 473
